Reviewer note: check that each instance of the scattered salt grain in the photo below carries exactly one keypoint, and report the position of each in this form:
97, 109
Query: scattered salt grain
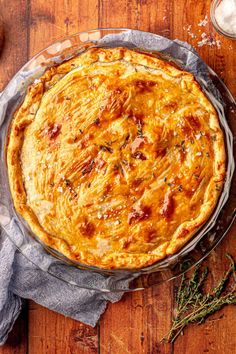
203, 22
192, 35
205, 39
188, 28
60, 189
209, 41
218, 43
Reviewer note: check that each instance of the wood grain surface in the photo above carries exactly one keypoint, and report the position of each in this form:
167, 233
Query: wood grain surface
136, 323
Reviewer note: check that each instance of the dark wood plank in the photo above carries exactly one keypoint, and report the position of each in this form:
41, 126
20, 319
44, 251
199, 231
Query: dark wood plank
215, 336
17, 341
12, 57
1, 35
171, 19
54, 19
138, 322
14, 53
222, 59
50, 332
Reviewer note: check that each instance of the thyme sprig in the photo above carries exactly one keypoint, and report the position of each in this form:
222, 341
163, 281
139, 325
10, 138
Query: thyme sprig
193, 305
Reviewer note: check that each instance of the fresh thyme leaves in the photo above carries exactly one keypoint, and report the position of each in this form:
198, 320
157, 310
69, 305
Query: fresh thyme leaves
96, 121
88, 168
125, 162
125, 142
140, 131
67, 182
193, 305
213, 137
106, 148
109, 143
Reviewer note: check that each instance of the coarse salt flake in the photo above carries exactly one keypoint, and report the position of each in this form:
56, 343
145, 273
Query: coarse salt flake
204, 22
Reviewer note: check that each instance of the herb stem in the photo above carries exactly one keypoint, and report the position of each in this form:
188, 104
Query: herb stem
193, 305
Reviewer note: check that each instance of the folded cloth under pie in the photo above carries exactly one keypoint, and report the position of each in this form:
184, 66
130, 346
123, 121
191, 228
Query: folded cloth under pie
19, 278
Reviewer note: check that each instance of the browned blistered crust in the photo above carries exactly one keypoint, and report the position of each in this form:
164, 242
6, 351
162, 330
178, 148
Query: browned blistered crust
115, 158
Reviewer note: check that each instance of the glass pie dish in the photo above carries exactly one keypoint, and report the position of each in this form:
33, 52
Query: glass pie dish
212, 232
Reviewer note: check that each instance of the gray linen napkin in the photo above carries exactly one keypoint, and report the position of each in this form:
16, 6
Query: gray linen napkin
20, 278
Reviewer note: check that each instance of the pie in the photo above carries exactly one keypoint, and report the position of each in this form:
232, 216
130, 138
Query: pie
115, 158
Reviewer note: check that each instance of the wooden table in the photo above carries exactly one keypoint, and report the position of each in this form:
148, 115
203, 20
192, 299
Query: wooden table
135, 324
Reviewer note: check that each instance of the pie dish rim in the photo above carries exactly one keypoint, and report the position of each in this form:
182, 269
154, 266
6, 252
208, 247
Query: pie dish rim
90, 267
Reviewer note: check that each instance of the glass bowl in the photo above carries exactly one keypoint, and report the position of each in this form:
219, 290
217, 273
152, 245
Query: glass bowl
218, 28
212, 232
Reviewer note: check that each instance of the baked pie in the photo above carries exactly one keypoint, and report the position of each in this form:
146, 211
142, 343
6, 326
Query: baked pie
115, 158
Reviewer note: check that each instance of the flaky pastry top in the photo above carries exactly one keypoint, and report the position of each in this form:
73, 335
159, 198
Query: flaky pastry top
115, 158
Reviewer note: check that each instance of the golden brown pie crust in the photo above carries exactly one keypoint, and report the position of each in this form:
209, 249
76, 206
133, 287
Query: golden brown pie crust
115, 158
